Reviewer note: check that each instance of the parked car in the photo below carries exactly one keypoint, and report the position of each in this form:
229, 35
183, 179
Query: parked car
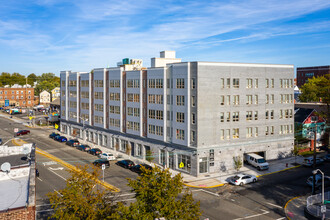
324, 147
83, 147
137, 168
257, 161
94, 151
0, 141
241, 179
22, 132
318, 181
327, 157
53, 135
308, 162
100, 162
61, 138
73, 143
107, 156
125, 163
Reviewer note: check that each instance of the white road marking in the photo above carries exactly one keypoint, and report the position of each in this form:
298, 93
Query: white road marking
39, 179
277, 206
281, 218
256, 215
57, 174
49, 163
203, 190
58, 192
58, 168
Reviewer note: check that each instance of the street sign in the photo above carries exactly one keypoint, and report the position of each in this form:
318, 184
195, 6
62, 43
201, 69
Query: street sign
181, 165
103, 166
323, 209
15, 129
30, 118
6, 102
56, 127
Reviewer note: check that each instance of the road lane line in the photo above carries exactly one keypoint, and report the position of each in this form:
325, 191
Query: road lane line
215, 194
57, 174
252, 216
58, 192
277, 206
280, 218
39, 179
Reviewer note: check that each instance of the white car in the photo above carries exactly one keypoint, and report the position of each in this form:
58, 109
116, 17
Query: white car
241, 179
107, 156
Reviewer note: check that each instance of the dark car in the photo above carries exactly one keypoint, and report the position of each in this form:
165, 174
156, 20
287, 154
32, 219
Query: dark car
100, 162
94, 151
53, 135
61, 138
22, 132
137, 168
125, 163
83, 147
327, 157
73, 143
324, 147
0, 141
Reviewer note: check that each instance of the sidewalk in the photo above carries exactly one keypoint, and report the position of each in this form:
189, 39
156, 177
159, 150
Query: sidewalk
294, 208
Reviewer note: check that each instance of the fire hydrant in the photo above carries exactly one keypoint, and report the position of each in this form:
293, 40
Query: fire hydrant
286, 164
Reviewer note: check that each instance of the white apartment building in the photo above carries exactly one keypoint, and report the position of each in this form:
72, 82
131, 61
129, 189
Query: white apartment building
193, 117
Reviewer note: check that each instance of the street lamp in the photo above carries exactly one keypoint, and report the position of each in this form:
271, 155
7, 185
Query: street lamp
314, 173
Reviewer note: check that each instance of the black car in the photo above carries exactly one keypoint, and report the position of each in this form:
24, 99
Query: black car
83, 147
53, 135
125, 163
137, 168
94, 151
73, 143
100, 162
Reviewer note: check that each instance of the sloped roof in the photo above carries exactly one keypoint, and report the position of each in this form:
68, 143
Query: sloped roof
301, 114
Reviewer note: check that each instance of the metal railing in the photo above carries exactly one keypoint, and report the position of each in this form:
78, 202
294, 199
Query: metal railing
314, 204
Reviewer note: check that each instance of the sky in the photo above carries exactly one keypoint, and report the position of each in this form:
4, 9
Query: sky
39, 36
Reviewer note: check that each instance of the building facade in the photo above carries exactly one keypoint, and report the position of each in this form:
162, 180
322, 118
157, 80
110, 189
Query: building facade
305, 73
17, 97
193, 117
44, 98
55, 93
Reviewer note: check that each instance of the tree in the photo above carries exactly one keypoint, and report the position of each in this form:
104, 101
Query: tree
316, 89
81, 199
149, 156
157, 196
31, 79
5, 79
237, 163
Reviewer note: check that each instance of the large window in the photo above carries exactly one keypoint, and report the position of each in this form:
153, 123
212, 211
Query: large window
133, 97
179, 134
98, 119
155, 99
236, 83
156, 114
98, 83
98, 107
133, 112
85, 105
180, 83
235, 133
98, 95
180, 117
133, 83
249, 83
114, 122
157, 130
180, 100
84, 83
84, 95
114, 109
132, 125
184, 162
114, 83
115, 96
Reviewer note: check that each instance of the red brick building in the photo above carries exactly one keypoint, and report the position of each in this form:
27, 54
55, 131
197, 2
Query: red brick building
22, 97
304, 73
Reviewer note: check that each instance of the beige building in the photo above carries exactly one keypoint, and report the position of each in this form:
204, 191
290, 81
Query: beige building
55, 93
44, 97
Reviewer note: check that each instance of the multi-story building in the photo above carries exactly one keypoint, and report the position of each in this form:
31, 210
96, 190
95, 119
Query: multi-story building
17, 97
55, 93
305, 73
190, 116
44, 98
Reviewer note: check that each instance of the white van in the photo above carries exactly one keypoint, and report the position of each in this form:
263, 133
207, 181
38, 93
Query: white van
257, 161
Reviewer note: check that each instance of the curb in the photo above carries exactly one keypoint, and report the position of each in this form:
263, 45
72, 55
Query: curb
286, 204
279, 171
71, 167
205, 187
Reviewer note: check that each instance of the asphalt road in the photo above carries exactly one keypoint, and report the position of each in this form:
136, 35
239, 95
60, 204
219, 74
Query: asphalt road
262, 200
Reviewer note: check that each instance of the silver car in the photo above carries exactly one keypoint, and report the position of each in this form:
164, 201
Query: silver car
241, 179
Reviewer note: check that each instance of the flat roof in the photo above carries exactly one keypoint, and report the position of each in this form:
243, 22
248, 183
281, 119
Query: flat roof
15, 160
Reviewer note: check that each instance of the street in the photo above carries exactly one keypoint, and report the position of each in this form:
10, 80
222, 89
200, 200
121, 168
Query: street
262, 200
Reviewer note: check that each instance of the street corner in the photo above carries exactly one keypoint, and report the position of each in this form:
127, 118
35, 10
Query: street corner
294, 208
206, 183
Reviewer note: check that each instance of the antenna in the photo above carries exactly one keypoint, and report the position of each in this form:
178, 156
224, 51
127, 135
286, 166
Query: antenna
5, 167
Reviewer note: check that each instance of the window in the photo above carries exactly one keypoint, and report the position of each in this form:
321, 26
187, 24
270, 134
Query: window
281, 83
222, 117
193, 101
180, 117
155, 99
236, 100
256, 115
236, 83
228, 83
249, 115
249, 99
249, 132
179, 134
249, 83
84, 95
156, 114
159, 83
115, 96
180, 100
267, 99
267, 114
98, 107
228, 116
193, 118
63, 83
228, 100
114, 109
72, 83
151, 83
73, 94
98, 95
235, 116
267, 131
222, 100
114, 83
193, 83
132, 125
186, 161
180, 83
98, 83
222, 134
73, 104
267, 83
235, 133
256, 99
193, 136
84, 83
222, 83
272, 99
228, 134
85, 105
133, 97
114, 122
133, 111
272, 83
133, 83
256, 131
271, 130
98, 119
272, 114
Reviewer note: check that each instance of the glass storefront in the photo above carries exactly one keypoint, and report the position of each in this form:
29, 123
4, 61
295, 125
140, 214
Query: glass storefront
184, 162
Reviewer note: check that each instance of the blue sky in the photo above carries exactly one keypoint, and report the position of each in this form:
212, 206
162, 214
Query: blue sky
39, 36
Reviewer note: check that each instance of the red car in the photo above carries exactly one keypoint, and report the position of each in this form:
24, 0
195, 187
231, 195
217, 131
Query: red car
22, 132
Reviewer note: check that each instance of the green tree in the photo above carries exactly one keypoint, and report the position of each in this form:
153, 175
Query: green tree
31, 79
17, 78
316, 89
158, 195
81, 199
47, 81
5, 79
237, 163
149, 156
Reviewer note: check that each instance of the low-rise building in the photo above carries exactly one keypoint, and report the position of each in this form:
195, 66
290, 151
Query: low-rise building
44, 98
305, 73
55, 93
16, 96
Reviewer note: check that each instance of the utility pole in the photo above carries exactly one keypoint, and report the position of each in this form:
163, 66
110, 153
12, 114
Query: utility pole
314, 158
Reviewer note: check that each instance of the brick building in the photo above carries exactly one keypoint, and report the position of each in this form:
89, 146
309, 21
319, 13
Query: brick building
304, 73
22, 97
